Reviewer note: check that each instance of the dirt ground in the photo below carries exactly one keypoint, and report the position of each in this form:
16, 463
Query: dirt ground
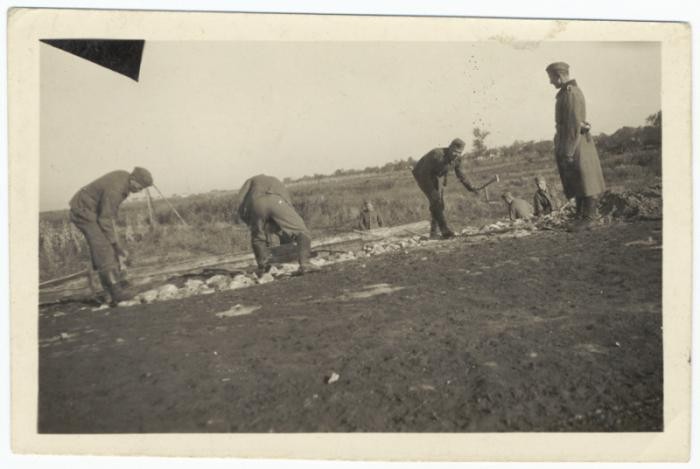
552, 332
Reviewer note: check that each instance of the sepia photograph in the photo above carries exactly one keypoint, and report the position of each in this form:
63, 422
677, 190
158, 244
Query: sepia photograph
427, 234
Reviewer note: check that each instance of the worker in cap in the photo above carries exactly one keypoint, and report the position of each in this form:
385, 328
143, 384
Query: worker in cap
94, 210
517, 208
430, 172
544, 201
266, 207
576, 155
557, 67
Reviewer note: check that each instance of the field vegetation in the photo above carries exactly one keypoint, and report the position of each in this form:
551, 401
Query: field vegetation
631, 158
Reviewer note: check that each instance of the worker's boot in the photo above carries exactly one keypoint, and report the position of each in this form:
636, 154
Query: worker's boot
589, 215
579, 208
305, 266
112, 284
434, 230
447, 233
262, 258
590, 212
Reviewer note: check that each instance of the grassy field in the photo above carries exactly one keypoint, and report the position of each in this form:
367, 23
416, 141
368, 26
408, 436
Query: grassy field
328, 205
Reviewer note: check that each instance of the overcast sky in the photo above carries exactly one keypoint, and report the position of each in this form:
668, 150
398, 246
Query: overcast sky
207, 115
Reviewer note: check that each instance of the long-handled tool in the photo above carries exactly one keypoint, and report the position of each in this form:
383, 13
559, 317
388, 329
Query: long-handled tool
489, 182
170, 205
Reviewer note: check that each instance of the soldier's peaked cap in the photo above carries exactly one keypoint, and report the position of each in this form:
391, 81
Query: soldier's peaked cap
458, 143
142, 176
558, 67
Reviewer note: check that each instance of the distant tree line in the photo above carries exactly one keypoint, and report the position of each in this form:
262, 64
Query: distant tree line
623, 140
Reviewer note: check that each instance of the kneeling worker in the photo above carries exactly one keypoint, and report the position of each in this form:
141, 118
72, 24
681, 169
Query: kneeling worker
517, 208
266, 207
93, 210
544, 201
369, 217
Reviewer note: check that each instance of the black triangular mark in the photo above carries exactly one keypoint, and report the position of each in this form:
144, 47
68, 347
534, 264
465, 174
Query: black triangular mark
122, 56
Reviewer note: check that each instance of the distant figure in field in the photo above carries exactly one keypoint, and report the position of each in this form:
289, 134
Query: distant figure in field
266, 207
431, 175
543, 200
576, 155
93, 210
518, 209
369, 217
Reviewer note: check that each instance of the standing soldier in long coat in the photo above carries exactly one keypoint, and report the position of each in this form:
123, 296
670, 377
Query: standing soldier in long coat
576, 155
93, 210
431, 175
266, 207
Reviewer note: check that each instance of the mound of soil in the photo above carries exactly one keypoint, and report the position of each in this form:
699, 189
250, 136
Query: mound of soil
633, 205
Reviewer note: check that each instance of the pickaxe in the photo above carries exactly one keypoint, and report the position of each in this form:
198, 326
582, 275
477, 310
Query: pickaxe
489, 182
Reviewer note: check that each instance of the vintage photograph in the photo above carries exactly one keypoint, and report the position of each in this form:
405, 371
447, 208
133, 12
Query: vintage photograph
350, 236
310, 237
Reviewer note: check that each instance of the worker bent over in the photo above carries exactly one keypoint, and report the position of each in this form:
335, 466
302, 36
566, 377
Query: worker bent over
518, 209
93, 210
431, 175
266, 207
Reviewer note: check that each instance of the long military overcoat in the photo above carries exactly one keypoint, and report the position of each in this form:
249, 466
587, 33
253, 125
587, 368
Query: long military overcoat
583, 177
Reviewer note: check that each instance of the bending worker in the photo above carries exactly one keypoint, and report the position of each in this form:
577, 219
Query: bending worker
93, 210
431, 175
266, 207
518, 209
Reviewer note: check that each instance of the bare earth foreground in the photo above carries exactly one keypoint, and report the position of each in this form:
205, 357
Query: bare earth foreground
552, 332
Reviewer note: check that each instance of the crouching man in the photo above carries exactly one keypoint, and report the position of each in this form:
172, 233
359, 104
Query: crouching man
266, 207
93, 210
518, 209
369, 217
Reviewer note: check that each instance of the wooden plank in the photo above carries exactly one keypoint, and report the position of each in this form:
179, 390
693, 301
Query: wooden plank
241, 260
63, 279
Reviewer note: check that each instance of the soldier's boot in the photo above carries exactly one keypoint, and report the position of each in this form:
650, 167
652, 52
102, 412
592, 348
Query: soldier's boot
305, 266
262, 258
447, 233
112, 284
589, 215
579, 208
434, 230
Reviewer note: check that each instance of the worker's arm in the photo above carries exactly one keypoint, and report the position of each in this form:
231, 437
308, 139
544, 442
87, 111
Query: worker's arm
243, 214
107, 210
459, 172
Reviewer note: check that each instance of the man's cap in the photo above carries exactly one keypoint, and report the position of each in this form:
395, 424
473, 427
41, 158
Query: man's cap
507, 195
458, 143
142, 176
539, 179
558, 67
